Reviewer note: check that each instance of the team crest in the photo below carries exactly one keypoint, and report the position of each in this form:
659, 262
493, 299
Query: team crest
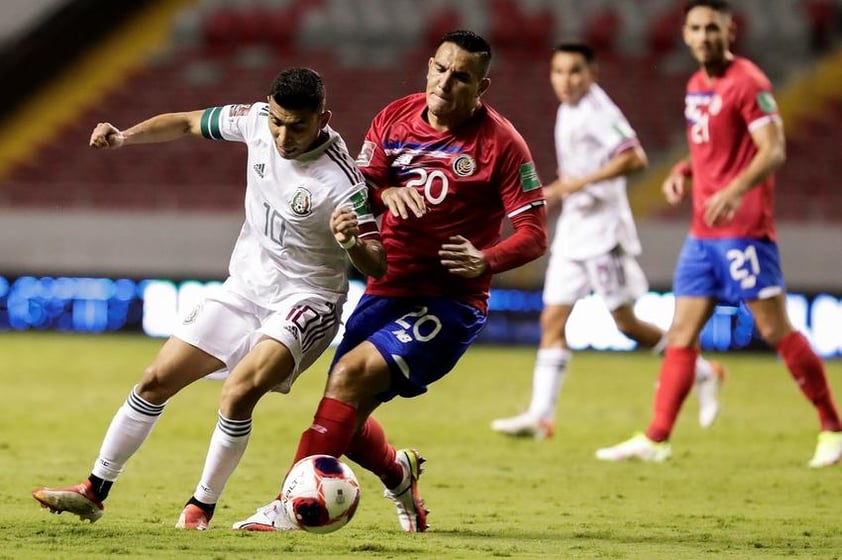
302, 202
464, 165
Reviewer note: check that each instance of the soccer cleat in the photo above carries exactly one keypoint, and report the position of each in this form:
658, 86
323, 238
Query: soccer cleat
271, 517
638, 447
524, 425
79, 500
193, 517
828, 450
707, 391
412, 514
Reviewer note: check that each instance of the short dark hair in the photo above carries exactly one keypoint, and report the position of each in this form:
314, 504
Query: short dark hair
722, 6
299, 88
471, 42
584, 49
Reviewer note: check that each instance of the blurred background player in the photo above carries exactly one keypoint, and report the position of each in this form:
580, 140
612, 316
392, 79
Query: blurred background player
595, 242
306, 205
446, 168
736, 143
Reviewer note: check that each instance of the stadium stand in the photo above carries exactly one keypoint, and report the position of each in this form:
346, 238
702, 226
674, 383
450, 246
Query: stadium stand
221, 51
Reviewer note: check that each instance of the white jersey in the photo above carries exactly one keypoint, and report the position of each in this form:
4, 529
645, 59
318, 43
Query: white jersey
598, 218
286, 245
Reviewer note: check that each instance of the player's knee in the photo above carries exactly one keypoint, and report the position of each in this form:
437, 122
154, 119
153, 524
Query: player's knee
154, 386
348, 381
773, 333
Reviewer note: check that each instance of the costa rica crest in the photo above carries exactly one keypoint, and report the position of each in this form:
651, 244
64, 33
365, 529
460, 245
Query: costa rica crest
464, 165
301, 202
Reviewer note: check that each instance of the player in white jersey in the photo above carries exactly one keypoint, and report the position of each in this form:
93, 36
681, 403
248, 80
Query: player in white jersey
595, 242
306, 209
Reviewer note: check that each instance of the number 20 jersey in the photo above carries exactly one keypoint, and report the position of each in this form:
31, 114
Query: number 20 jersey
470, 178
285, 244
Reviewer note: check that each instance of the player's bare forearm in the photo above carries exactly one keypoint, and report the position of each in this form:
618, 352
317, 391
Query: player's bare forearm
770, 156
369, 257
624, 163
164, 128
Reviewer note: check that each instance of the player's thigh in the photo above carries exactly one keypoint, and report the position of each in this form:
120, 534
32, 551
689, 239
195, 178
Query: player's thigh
691, 314
617, 278
267, 365
303, 325
423, 341
771, 318
176, 365
565, 282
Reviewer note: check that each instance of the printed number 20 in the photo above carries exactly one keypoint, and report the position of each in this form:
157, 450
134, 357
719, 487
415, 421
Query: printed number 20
421, 316
427, 180
744, 266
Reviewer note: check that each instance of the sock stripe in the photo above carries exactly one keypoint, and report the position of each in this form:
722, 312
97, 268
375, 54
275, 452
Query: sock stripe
142, 406
234, 428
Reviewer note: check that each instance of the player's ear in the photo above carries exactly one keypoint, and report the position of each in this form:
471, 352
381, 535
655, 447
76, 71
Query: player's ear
732, 31
483, 86
324, 118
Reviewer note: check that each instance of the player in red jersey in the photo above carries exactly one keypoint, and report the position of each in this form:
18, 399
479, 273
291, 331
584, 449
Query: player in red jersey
446, 169
736, 143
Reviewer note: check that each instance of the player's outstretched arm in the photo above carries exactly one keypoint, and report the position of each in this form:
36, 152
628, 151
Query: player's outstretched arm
160, 128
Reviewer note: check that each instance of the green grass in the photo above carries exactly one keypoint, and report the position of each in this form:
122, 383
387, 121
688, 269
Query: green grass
738, 490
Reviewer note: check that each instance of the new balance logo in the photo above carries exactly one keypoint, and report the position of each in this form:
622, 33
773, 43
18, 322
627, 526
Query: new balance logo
260, 168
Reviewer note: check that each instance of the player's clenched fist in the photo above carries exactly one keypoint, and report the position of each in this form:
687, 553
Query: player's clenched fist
106, 135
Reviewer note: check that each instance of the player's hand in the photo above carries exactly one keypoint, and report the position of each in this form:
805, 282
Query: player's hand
722, 206
106, 135
675, 188
402, 200
461, 258
344, 225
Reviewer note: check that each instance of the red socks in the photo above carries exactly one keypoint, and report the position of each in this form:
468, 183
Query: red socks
678, 370
370, 450
808, 371
331, 431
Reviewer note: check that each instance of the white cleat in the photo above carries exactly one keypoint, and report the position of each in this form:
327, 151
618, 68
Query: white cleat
524, 425
707, 391
828, 450
271, 517
638, 447
412, 515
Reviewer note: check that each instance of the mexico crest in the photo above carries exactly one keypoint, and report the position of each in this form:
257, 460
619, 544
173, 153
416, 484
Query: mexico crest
301, 203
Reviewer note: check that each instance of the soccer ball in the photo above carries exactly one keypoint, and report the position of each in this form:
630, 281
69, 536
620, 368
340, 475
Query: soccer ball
320, 494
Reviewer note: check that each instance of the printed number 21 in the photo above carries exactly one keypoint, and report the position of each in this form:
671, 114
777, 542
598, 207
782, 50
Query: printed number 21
744, 266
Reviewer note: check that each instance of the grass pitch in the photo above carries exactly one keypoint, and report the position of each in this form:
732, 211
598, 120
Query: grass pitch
738, 490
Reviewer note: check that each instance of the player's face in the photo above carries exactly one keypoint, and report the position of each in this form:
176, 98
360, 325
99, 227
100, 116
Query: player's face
708, 34
295, 131
570, 76
454, 85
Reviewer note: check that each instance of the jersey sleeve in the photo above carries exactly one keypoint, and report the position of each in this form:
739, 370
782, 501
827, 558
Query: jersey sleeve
231, 122
359, 200
757, 104
520, 186
373, 162
614, 133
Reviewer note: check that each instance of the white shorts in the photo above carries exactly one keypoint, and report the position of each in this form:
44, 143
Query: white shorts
227, 326
616, 277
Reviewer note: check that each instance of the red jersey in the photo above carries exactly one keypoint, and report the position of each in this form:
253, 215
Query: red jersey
470, 179
721, 112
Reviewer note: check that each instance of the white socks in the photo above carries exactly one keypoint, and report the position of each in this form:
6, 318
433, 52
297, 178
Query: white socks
128, 430
547, 380
227, 445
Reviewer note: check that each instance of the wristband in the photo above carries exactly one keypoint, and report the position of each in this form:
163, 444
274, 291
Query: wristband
682, 168
348, 244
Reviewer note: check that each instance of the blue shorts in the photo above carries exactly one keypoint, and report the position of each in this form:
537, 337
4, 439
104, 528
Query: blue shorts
730, 270
420, 338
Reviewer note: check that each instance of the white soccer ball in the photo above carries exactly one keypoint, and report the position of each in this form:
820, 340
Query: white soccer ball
320, 494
